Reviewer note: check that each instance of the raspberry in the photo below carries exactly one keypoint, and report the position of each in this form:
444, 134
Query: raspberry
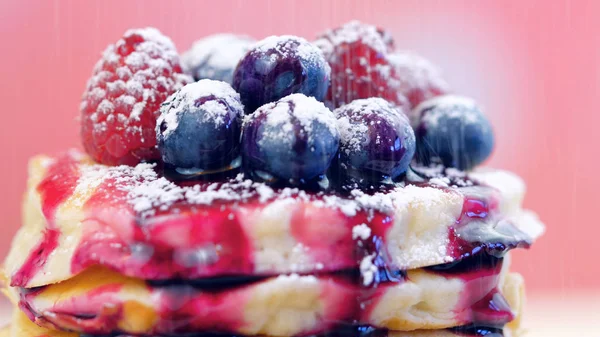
357, 54
121, 102
419, 79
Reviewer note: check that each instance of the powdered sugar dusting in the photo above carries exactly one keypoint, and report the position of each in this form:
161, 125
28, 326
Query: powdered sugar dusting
368, 269
190, 99
351, 32
447, 107
129, 82
351, 121
281, 115
417, 73
439, 175
361, 231
290, 46
216, 56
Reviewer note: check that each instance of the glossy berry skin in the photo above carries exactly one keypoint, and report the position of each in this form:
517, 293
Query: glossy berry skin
377, 141
452, 130
293, 139
199, 127
279, 66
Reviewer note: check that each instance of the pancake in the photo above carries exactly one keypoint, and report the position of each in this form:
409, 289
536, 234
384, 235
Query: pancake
20, 326
102, 302
78, 214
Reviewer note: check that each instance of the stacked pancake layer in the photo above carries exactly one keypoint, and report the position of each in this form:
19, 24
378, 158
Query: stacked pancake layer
122, 251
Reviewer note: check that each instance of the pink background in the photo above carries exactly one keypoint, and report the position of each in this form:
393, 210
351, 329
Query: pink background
532, 64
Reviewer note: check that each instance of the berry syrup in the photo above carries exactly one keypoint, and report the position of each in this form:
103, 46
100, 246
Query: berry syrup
204, 245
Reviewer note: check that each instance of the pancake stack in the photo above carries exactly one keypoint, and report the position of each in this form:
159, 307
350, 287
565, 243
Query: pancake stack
214, 210
123, 251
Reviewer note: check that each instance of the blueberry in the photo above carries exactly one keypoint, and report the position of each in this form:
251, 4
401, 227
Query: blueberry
293, 139
215, 57
452, 130
199, 127
377, 141
279, 66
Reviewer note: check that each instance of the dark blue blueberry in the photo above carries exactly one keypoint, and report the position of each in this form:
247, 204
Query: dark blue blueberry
377, 141
293, 139
279, 66
199, 127
215, 57
452, 130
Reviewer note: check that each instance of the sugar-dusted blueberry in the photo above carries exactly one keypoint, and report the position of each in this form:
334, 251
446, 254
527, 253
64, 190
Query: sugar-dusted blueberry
279, 66
199, 127
377, 142
293, 139
216, 56
452, 130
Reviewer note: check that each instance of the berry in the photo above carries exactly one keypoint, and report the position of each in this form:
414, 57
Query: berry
418, 79
122, 99
357, 54
199, 127
452, 130
377, 141
293, 139
279, 66
215, 57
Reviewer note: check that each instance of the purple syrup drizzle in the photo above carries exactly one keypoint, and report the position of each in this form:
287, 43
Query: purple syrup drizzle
356, 331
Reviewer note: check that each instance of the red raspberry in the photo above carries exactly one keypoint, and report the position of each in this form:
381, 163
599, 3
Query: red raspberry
121, 102
357, 54
419, 79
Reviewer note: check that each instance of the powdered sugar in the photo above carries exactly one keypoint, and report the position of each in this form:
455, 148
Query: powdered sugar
417, 75
216, 56
444, 176
291, 46
123, 96
351, 32
368, 269
354, 131
189, 99
295, 108
447, 106
361, 231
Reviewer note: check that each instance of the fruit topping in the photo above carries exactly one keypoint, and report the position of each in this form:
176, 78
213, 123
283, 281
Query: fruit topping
452, 130
215, 57
199, 127
418, 78
122, 99
377, 141
355, 31
279, 66
360, 68
293, 139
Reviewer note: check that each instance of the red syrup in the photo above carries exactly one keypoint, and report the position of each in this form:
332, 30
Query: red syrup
165, 247
56, 187
185, 241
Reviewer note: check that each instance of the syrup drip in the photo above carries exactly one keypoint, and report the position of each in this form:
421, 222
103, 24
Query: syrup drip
58, 185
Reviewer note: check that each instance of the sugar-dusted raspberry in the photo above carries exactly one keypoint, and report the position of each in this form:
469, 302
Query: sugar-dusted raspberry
419, 79
121, 102
357, 54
